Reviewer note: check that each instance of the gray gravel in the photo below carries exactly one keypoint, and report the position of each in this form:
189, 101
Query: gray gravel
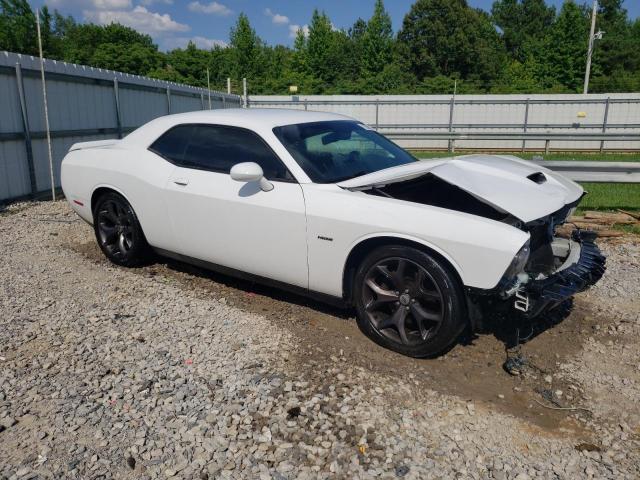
109, 373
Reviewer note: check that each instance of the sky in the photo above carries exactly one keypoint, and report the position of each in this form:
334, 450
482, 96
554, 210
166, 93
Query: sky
173, 23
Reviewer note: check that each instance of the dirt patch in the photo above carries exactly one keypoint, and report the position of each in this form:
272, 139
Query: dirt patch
472, 371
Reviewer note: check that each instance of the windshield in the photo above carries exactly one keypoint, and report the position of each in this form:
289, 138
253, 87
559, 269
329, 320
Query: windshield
334, 151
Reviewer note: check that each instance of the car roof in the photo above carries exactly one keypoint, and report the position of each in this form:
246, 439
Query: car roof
257, 119
272, 117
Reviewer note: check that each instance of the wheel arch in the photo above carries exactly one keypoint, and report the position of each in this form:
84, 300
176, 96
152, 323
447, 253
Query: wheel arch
100, 190
103, 189
360, 250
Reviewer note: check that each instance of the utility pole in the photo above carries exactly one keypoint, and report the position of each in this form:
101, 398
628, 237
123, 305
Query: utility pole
46, 109
592, 38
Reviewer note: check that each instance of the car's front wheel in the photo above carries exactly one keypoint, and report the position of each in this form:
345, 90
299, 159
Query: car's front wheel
118, 231
409, 301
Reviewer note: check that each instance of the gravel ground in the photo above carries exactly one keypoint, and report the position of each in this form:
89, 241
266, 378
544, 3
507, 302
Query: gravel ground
154, 373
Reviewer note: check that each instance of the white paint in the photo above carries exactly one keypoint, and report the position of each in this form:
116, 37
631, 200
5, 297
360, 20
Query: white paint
275, 234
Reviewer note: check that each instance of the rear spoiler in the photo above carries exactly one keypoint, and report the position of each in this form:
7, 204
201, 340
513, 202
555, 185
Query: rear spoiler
96, 144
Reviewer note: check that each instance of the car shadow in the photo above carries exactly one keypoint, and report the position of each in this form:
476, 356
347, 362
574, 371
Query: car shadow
513, 331
510, 331
256, 288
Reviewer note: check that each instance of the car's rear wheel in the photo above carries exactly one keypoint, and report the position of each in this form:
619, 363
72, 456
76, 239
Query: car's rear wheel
409, 301
118, 231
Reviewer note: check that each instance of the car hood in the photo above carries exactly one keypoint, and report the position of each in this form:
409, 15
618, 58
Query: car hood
512, 185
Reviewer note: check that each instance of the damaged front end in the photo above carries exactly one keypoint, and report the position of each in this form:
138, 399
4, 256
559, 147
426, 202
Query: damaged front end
580, 265
547, 271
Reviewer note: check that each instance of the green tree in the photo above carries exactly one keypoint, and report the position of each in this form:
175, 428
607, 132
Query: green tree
518, 78
619, 48
447, 37
522, 22
246, 50
190, 63
524, 47
112, 46
18, 31
377, 41
563, 54
134, 58
320, 48
321, 58
277, 70
17, 27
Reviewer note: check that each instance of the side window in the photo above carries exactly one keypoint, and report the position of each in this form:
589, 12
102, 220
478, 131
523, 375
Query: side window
173, 143
218, 148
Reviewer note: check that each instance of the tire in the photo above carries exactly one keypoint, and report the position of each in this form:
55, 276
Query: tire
409, 302
118, 231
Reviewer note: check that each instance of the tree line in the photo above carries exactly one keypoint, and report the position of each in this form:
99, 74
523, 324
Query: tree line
521, 46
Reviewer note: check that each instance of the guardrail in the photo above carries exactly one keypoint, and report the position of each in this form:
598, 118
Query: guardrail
438, 101
511, 122
597, 172
451, 137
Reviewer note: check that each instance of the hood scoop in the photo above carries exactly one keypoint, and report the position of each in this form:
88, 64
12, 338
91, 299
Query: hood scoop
537, 177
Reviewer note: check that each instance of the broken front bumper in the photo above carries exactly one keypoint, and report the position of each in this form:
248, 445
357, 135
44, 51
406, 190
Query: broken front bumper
583, 267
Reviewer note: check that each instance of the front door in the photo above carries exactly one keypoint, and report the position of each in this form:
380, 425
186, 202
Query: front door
229, 223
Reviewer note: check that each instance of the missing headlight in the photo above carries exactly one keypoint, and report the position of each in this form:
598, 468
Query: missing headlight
518, 263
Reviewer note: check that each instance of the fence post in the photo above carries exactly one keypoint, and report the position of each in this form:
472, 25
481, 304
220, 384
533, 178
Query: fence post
169, 100
377, 113
244, 93
452, 144
526, 122
224, 101
201, 101
547, 146
116, 96
25, 127
604, 121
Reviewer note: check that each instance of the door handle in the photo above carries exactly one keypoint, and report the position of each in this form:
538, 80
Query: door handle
181, 181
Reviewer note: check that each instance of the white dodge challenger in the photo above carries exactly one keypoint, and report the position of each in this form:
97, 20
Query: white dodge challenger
322, 204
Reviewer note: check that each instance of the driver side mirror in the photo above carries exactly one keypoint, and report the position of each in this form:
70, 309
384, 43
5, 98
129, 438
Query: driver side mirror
250, 172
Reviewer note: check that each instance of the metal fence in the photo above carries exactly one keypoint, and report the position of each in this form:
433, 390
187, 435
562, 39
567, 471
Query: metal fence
600, 122
85, 104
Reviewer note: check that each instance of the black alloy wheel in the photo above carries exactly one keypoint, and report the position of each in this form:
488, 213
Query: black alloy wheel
402, 300
118, 231
409, 301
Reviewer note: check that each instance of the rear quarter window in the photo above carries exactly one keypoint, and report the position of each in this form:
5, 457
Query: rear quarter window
173, 144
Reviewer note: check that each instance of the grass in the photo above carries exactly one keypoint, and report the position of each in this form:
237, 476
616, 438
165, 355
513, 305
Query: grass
611, 196
590, 157
628, 228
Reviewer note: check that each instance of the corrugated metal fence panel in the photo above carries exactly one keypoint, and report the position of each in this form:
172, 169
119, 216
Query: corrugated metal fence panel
82, 108
10, 116
482, 114
14, 173
72, 106
139, 106
183, 103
